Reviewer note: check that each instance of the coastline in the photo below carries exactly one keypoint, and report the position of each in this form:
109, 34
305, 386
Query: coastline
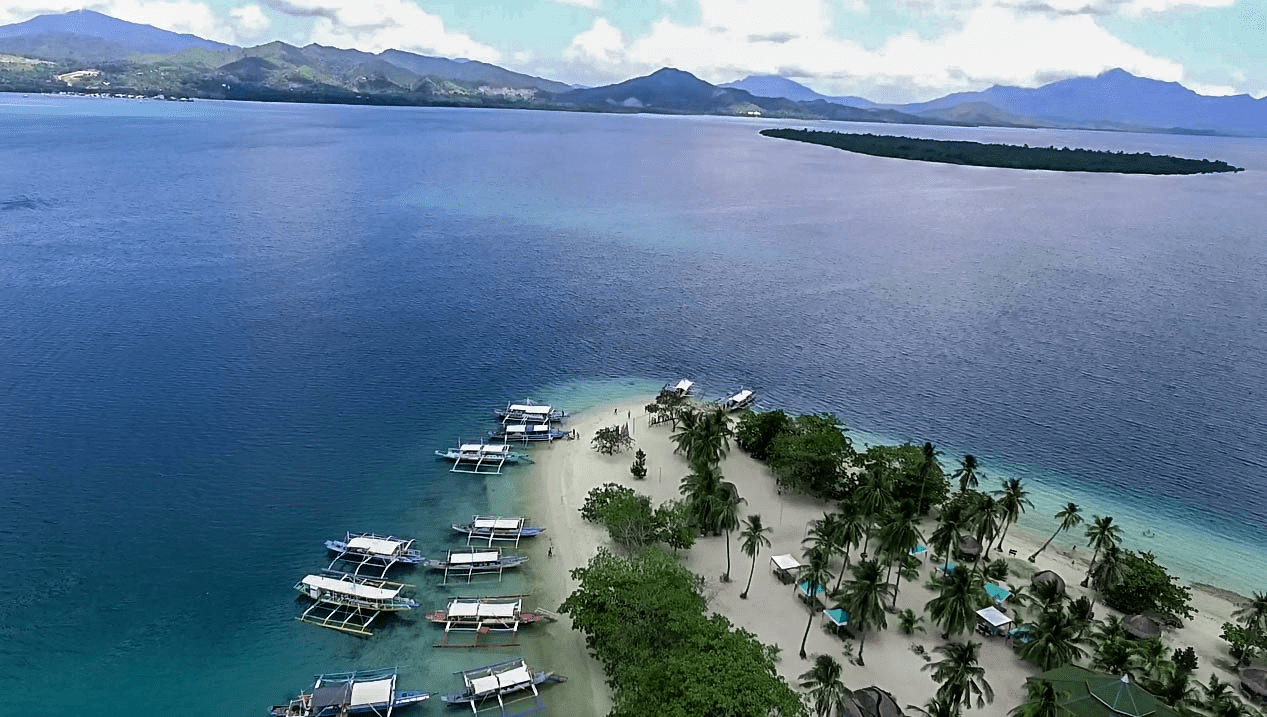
564, 472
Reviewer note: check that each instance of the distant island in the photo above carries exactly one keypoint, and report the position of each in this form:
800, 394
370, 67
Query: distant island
1007, 156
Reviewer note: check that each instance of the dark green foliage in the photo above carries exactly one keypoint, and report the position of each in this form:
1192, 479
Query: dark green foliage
1003, 155
995, 569
611, 440
811, 456
1147, 587
676, 529
1185, 659
755, 432
631, 522
918, 483
639, 467
1055, 639
1243, 642
644, 618
599, 499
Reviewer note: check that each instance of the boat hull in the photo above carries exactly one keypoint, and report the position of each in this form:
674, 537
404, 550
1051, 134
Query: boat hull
528, 531
411, 557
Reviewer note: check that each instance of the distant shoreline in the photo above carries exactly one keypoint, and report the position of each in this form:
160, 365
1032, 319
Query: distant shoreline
1004, 156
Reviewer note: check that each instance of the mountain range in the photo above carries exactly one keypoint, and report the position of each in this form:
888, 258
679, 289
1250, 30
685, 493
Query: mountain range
85, 51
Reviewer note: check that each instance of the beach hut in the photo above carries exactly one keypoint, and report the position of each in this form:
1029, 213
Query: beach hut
1141, 627
993, 621
969, 548
871, 702
919, 551
1092, 694
785, 567
835, 618
1254, 682
944, 570
802, 592
1047, 576
997, 593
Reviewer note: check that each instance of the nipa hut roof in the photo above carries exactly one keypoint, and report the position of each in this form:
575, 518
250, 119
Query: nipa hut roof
872, 702
969, 547
1047, 576
1254, 679
1141, 626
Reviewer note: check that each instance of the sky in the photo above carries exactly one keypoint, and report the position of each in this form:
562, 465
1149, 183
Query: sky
884, 50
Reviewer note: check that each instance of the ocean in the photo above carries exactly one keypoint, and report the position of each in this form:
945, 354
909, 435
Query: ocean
232, 331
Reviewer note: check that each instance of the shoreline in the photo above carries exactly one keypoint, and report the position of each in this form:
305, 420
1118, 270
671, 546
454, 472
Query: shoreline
563, 473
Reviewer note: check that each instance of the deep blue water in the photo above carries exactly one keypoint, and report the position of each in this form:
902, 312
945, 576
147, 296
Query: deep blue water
232, 331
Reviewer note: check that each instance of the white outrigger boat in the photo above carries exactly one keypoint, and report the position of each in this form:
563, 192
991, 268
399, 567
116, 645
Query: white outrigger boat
495, 528
500, 681
349, 603
349, 693
529, 412
475, 561
739, 401
481, 458
529, 432
370, 550
681, 388
484, 615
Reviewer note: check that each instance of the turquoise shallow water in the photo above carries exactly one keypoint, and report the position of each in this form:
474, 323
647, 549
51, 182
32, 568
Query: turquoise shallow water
233, 331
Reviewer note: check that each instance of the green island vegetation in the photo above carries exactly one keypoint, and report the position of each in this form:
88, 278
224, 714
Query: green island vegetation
646, 618
977, 154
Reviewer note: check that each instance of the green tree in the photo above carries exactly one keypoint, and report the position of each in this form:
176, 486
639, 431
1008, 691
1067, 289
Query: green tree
1109, 571
1102, 534
1069, 516
899, 534
639, 467
851, 525
1253, 614
910, 622
955, 607
1042, 700
1055, 640
1013, 500
968, 473
677, 528
938, 707
862, 599
812, 456
611, 440
960, 675
702, 488
825, 534
827, 692
945, 536
815, 575
1146, 587
703, 435
918, 480
756, 430
874, 498
728, 518
751, 540
986, 517
1243, 642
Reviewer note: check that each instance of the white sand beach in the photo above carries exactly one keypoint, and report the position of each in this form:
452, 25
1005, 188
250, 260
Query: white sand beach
564, 472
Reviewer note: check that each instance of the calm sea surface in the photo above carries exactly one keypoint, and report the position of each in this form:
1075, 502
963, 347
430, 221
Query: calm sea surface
232, 331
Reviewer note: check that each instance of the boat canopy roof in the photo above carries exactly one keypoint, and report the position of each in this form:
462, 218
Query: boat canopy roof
500, 681
529, 409
460, 607
377, 546
743, 395
497, 523
328, 696
498, 449
522, 428
684, 385
352, 587
375, 692
486, 556
786, 562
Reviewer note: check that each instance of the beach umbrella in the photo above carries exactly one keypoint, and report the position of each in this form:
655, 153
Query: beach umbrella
1254, 679
1094, 694
1141, 626
871, 702
1047, 576
969, 547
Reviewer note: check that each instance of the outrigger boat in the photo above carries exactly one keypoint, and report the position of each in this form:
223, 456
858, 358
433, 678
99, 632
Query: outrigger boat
681, 388
370, 550
497, 682
349, 603
481, 458
529, 412
482, 615
349, 693
475, 561
487, 528
526, 432
740, 400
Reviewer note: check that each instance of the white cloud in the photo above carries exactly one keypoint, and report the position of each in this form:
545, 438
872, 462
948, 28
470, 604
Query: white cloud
249, 20
188, 16
593, 4
602, 46
375, 25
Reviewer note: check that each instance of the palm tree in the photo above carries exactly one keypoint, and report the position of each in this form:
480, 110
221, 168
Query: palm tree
1043, 701
910, 622
1102, 534
926, 466
1082, 613
1013, 500
967, 473
751, 540
728, 517
686, 433
937, 707
827, 692
850, 524
816, 575
955, 607
986, 516
1068, 516
1110, 570
945, 537
960, 675
703, 435
825, 533
862, 600
1054, 643
874, 497
1253, 614
899, 534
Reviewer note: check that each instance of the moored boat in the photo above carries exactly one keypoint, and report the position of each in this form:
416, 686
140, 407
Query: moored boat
483, 615
529, 432
378, 551
348, 602
498, 683
481, 458
348, 693
739, 401
489, 528
681, 388
529, 412
470, 562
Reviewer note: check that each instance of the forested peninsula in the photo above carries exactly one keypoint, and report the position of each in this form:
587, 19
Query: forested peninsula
1008, 156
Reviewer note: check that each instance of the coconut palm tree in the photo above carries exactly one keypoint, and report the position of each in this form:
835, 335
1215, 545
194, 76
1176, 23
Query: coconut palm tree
851, 525
1102, 534
899, 534
960, 675
910, 622
827, 692
825, 533
1109, 570
1042, 701
967, 474
1082, 613
686, 433
1253, 614
751, 540
1068, 516
985, 514
938, 707
955, 607
815, 575
945, 537
1055, 640
862, 599
728, 517
874, 497
703, 435
1013, 500
702, 488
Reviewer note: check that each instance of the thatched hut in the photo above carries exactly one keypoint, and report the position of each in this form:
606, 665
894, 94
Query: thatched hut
1048, 576
1254, 681
1141, 627
872, 702
969, 548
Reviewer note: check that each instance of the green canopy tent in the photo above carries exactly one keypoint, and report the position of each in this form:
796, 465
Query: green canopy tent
1092, 694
